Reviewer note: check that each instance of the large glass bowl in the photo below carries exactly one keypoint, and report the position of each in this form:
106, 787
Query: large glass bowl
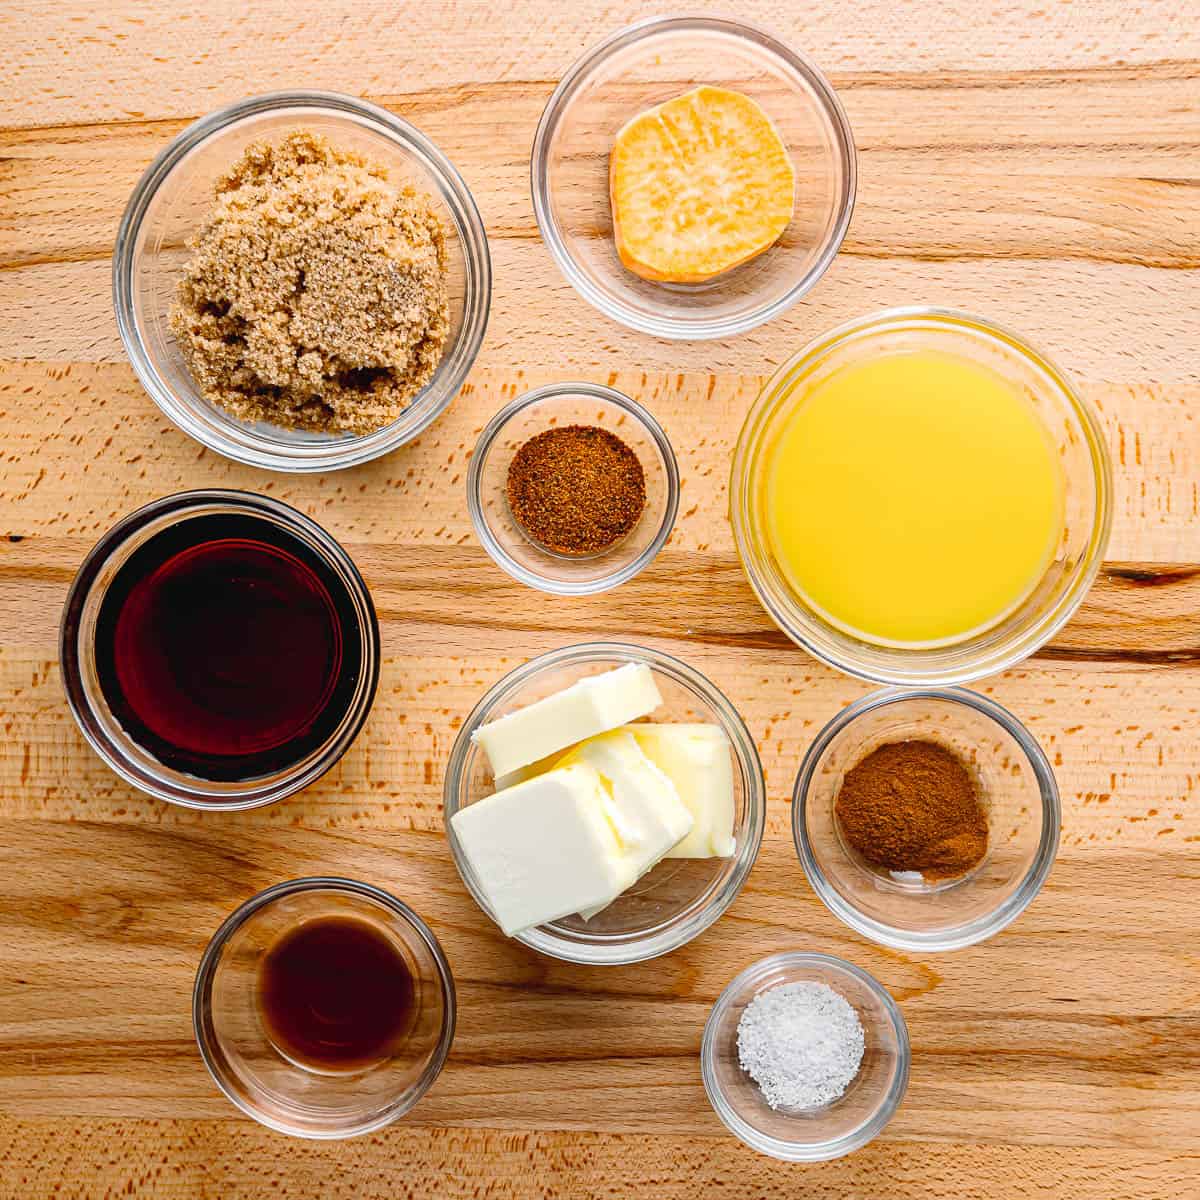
1074, 432
1018, 791
171, 201
808, 1135
645, 65
679, 898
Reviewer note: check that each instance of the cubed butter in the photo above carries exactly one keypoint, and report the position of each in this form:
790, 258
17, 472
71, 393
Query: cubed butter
697, 761
528, 771
591, 706
544, 848
644, 807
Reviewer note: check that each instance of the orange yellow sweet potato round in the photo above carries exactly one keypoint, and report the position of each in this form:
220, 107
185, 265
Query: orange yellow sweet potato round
698, 185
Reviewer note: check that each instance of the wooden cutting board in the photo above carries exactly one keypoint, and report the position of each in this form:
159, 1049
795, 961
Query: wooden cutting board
1037, 162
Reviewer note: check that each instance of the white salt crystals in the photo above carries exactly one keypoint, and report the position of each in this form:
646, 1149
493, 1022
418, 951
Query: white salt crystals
802, 1043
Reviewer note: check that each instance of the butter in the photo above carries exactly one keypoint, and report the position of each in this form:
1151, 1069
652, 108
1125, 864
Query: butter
696, 759
528, 771
644, 808
544, 848
591, 706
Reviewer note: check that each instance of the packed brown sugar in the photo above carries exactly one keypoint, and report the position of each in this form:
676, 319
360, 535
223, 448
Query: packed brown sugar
317, 294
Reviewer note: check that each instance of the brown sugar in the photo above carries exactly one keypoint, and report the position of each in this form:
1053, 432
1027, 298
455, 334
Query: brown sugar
317, 293
913, 806
577, 489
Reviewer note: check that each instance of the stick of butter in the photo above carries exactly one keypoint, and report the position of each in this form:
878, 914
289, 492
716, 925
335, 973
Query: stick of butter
696, 760
644, 807
544, 849
591, 706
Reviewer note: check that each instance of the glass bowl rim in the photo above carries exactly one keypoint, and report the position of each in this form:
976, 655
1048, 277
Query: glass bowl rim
113, 754
469, 230
795, 1151
209, 961
670, 328
979, 928
1019, 645
742, 743
496, 551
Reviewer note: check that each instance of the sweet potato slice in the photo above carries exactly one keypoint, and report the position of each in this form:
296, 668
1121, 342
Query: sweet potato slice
698, 185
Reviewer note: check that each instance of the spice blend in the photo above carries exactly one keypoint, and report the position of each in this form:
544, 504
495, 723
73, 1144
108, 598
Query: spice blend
913, 806
317, 293
576, 490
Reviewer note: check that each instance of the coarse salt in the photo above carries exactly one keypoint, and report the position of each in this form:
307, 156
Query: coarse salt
802, 1043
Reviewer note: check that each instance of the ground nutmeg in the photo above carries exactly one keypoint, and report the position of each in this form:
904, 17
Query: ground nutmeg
577, 489
913, 806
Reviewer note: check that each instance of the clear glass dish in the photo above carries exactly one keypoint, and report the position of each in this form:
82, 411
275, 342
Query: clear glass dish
811, 1135
1018, 789
644, 65
171, 201
558, 405
1087, 517
77, 654
679, 898
274, 1090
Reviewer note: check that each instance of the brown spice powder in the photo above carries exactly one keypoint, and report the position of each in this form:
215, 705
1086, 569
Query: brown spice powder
576, 490
913, 806
316, 296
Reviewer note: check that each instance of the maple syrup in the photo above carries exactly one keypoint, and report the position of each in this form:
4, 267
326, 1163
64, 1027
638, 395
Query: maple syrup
227, 648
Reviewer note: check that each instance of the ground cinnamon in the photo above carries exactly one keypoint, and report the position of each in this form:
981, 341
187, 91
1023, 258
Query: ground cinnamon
913, 806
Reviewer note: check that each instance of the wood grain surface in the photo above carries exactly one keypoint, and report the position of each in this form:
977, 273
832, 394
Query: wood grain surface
1036, 161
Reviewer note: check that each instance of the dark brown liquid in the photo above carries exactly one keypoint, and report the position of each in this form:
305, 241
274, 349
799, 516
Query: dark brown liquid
227, 648
336, 994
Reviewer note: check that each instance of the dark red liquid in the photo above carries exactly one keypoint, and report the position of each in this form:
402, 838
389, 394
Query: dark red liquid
336, 994
227, 648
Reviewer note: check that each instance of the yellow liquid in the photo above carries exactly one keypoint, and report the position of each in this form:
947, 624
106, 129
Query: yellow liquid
913, 498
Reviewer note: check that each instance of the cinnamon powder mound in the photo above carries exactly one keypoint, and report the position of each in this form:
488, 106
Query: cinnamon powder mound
317, 293
913, 806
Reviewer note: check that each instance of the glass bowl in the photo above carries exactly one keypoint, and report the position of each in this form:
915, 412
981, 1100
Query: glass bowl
642, 66
558, 405
172, 199
1018, 790
679, 898
77, 653
807, 1135
273, 1089
1087, 505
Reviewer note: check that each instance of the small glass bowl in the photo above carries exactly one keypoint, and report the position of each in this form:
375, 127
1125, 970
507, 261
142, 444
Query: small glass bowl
77, 654
172, 200
558, 405
811, 1135
644, 65
679, 898
274, 1090
1087, 510
1018, 790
